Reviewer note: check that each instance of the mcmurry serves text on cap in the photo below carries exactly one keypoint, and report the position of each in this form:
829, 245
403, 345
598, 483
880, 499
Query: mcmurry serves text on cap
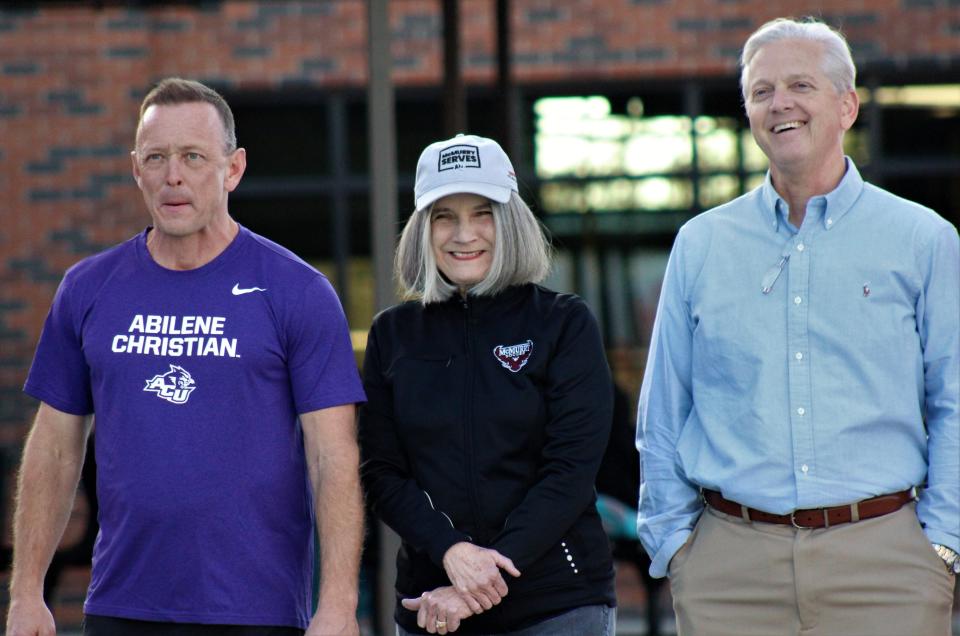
466, 163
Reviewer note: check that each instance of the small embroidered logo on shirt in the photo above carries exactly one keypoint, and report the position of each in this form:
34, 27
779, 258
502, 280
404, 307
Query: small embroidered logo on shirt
239, 291
174, 386
513, 357
866, 290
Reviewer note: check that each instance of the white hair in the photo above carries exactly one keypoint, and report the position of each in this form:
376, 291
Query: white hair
837, 62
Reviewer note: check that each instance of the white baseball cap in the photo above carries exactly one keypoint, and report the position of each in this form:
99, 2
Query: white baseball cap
466, 163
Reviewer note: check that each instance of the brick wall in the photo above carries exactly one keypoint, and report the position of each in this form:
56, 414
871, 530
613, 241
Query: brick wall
71, 79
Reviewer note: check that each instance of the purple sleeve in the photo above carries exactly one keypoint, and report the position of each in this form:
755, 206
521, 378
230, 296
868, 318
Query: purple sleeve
323, 369
59, 374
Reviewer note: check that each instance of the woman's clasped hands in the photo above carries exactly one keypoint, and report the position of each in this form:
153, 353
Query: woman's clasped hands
477, 585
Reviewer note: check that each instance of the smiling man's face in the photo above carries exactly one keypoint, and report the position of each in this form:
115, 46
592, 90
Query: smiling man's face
796, 114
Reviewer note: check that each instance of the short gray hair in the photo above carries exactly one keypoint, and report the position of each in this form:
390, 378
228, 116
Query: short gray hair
172, 91
521, 254
838, 64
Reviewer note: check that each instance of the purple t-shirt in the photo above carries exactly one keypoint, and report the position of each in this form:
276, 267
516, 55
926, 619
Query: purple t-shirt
196, 379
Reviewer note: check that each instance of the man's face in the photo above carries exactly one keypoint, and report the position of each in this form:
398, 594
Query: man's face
182, 169
796, 115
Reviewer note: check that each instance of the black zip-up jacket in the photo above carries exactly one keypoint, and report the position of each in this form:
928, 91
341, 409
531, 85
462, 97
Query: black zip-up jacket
486, 421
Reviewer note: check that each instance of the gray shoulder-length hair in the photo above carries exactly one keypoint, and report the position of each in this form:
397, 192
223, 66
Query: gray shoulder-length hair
838, 64
521, 254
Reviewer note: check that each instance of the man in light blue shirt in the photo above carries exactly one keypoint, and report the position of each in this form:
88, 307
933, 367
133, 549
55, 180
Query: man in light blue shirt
798, 422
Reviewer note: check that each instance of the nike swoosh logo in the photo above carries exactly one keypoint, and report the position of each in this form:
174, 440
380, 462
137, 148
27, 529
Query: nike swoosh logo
238, 291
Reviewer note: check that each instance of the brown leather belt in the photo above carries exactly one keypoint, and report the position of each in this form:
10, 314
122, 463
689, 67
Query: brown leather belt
815, 517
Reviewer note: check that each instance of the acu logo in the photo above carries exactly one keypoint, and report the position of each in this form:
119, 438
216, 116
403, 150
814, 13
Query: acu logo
513, 357
174, 386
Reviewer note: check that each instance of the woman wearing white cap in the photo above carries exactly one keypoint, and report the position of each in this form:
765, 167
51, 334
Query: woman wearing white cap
489, 408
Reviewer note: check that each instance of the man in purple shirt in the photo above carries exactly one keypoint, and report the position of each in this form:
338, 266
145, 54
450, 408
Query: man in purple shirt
220, 371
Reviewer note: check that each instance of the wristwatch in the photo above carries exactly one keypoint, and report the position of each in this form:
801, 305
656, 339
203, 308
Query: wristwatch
950, 557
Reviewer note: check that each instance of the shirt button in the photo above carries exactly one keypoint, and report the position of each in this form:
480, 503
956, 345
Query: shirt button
804, 468
797, 300
798, 355
829, 222
801, 411
800, 247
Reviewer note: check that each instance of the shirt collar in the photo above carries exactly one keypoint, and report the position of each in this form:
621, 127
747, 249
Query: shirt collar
838, 201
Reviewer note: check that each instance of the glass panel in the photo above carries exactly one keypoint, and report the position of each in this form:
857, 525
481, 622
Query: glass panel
716, 143
616, 291
920, 132
560, 156
562, 197
660, 193
933, 96
856, 144
302, 224
939, 192
658, 145
598, 160
645, 273
563, 271
753, 157
617, 195
754, 181
360, 307
718, 190
283, 139
604, 196
578, 136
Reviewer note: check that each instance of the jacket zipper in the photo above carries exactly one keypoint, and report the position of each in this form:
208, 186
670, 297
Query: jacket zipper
468, 422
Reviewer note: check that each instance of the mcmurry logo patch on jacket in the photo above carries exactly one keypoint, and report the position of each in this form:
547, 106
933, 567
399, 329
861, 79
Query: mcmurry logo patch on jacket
513, 357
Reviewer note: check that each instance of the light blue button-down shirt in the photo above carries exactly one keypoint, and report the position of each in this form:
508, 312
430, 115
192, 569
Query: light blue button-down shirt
814, 393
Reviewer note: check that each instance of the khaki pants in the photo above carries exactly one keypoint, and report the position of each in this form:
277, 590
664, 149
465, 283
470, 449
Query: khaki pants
878, 577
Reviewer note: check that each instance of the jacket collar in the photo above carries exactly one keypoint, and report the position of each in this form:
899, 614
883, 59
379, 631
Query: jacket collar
483, 304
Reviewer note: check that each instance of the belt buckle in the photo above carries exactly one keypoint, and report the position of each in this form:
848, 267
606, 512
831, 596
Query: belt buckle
793, 519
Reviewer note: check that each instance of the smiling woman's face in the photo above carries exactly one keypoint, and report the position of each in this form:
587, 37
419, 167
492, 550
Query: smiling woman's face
463, 236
